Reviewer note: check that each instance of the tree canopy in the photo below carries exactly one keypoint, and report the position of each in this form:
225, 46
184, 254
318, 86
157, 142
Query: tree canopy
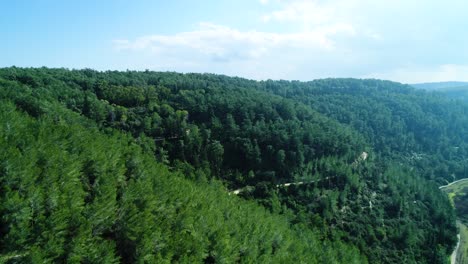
145, 166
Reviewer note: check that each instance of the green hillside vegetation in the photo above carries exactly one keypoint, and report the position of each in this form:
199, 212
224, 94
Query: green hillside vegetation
167, 148
73, 194
453, 90
456, 93
426, 131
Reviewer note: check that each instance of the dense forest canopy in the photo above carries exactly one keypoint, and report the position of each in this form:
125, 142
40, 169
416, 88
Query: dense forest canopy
144, 166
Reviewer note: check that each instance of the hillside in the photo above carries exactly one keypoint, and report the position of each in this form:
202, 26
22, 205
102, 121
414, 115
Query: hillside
72, 194
453, 90
426, 131
203, 130
439, 85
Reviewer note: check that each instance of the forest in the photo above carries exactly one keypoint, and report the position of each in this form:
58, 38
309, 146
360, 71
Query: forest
455, 90
165, 167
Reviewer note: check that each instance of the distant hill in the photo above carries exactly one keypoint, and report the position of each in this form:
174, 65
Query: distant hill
439, 85
453, 90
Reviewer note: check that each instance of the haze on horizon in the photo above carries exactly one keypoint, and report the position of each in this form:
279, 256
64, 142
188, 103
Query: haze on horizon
407, 41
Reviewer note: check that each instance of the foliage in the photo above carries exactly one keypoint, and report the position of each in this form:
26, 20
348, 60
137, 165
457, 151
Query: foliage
72, 194
295, 148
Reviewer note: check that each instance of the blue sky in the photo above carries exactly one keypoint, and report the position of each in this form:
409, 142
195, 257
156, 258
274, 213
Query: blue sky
402, 40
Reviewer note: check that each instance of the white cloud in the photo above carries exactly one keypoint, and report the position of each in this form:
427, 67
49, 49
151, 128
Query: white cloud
223, 43
407, 41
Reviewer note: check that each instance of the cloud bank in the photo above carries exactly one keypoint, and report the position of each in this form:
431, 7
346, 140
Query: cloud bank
406, 41
223, 43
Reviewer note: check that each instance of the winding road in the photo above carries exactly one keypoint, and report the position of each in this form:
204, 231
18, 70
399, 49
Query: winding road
453, 257
452, 183
287, 184
364, 155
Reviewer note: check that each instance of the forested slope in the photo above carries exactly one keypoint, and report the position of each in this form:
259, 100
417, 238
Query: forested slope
72, 194
256, 136
427, 131
453, 90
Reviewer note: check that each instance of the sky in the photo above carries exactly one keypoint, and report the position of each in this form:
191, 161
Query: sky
409, 41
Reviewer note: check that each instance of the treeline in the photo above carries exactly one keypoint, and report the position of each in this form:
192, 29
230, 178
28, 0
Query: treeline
256, 136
